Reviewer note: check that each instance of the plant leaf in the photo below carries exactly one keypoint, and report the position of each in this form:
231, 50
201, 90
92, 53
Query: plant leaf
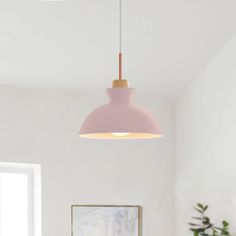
225, 223
201, 206
206, 221
200, 211
200, 230
208, 226
204, 234
192, 224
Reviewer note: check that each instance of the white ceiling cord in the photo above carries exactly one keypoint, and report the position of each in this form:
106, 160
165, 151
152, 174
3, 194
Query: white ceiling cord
120, 26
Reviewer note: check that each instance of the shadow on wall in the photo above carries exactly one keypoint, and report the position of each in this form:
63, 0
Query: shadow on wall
205, 142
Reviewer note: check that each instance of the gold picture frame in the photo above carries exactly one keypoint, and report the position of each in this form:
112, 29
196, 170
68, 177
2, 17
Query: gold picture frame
139, 214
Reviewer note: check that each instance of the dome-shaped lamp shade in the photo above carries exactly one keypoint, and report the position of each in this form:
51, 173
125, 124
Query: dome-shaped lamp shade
120, 119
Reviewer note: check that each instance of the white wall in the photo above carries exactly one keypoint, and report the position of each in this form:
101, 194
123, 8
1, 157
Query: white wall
41, 126
206, 143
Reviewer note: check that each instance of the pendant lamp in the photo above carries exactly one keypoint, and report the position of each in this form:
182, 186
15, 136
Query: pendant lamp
120, 118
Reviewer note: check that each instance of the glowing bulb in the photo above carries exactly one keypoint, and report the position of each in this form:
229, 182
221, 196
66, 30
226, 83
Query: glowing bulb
120, 134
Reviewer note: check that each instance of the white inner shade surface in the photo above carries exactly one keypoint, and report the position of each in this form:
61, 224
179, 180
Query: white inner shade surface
14, 216
120, 135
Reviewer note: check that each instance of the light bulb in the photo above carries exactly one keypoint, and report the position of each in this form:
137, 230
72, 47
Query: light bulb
120, 134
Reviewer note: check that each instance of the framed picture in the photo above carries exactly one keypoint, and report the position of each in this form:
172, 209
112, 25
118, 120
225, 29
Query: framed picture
105, 220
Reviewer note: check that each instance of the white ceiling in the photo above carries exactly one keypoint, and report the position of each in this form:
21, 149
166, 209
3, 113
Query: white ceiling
74, 43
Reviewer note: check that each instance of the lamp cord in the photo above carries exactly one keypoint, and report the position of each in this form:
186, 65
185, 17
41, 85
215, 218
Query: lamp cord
120, 25
120, 40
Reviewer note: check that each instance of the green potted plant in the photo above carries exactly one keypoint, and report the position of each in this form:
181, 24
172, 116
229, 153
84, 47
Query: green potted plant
203, 226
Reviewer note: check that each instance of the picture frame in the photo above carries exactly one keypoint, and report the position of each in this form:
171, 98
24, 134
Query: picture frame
106, 220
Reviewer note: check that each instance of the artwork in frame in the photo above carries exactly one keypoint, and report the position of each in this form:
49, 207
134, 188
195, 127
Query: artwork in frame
105, 220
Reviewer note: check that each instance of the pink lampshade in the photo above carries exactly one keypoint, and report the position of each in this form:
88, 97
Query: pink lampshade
120, 119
